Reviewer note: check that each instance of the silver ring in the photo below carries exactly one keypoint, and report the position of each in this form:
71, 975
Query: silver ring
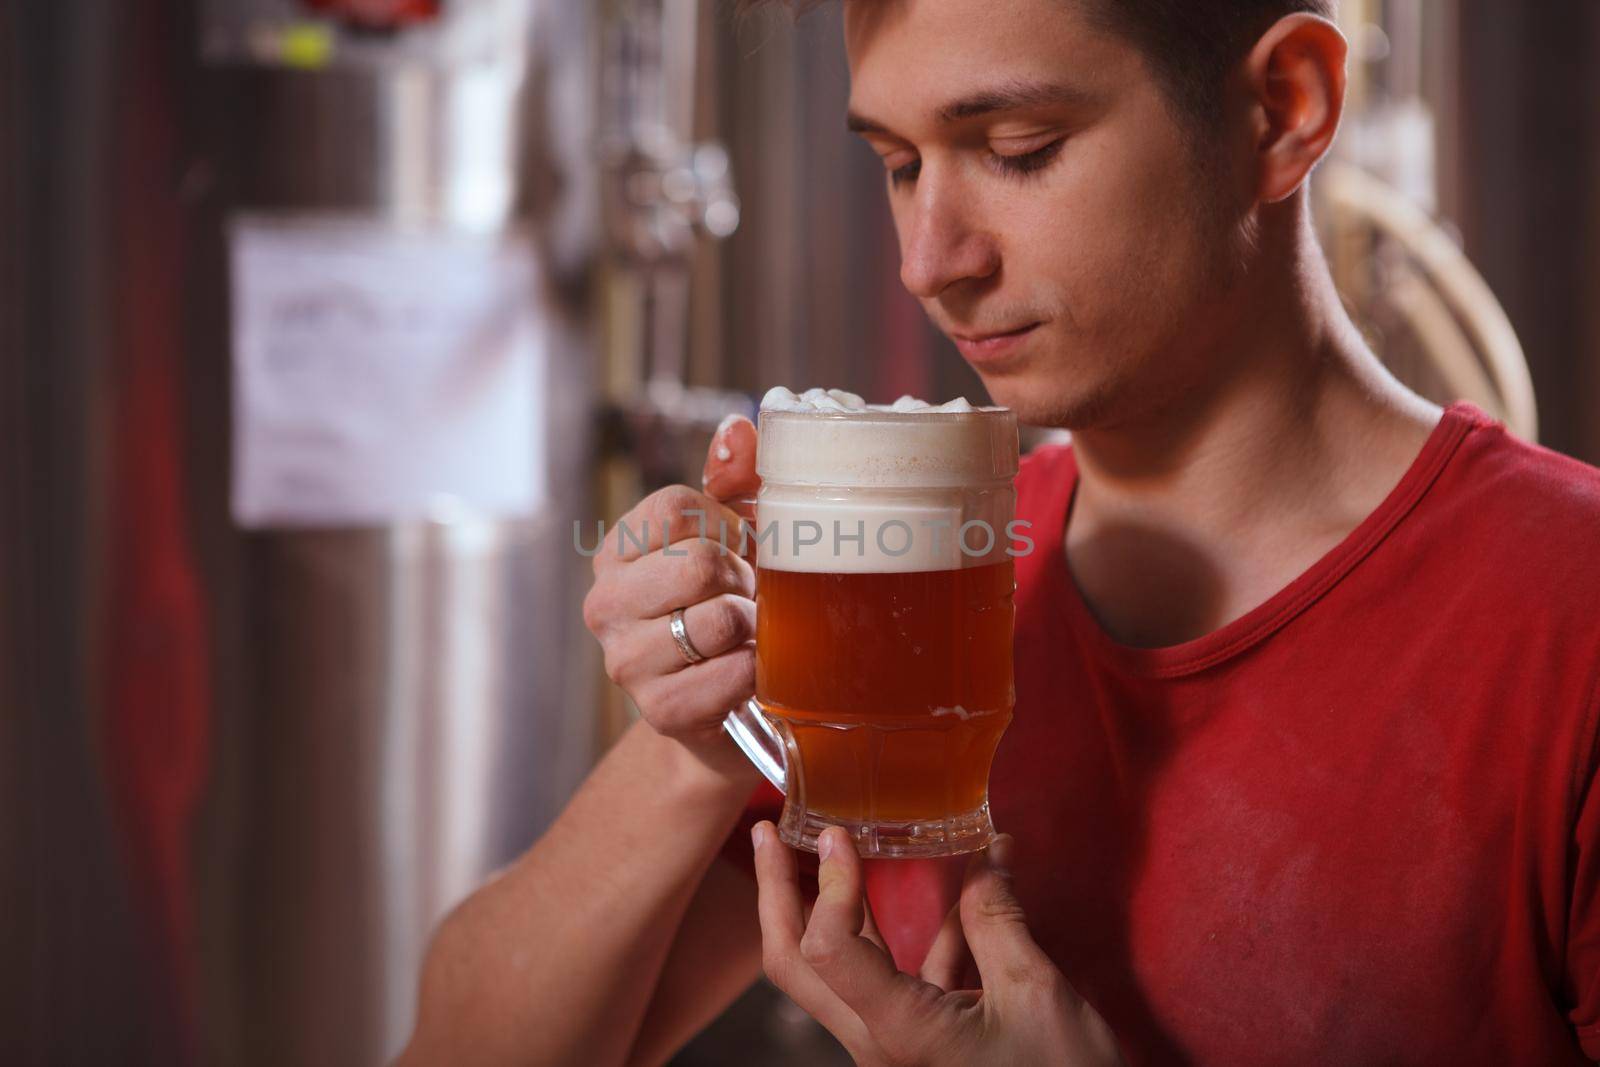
680, 634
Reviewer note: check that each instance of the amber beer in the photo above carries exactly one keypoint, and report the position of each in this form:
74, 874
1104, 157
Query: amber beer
884, 615
895, 687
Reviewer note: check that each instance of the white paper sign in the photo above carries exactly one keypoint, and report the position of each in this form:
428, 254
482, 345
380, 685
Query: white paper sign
382, 375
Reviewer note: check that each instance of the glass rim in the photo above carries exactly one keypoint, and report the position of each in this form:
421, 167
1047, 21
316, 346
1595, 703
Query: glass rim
890, 416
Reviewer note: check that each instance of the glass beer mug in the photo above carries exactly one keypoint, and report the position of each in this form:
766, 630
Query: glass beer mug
884, 614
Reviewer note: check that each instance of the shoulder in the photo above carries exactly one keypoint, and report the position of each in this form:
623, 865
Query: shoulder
1510, 534
1522, 498
1505, 564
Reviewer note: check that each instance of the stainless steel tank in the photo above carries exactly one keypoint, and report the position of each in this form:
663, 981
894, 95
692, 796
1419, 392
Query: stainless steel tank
260, 739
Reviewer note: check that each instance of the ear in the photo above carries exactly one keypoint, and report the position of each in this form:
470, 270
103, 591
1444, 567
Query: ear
1295, 77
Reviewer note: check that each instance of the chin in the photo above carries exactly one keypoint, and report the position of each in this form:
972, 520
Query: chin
1042, 399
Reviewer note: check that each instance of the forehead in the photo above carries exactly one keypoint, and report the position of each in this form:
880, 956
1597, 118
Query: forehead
907, 57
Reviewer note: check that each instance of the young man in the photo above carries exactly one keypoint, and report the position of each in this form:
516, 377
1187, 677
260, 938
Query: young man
1303, 763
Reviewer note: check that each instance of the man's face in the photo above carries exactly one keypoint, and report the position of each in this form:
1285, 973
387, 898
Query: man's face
1053, 220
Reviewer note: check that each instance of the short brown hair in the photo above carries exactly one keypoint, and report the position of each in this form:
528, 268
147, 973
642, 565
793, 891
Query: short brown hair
1191, 44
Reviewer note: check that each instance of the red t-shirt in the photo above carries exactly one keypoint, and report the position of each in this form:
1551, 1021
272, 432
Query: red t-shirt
1357, 825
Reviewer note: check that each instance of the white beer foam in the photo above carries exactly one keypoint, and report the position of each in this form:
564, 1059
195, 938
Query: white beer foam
837, 400
833, 438
850, 487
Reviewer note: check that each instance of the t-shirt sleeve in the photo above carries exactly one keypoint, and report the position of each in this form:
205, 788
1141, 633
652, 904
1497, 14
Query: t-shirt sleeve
765, 803
1583, 925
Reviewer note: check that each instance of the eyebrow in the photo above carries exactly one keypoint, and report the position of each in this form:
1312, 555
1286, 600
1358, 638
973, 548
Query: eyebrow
1007, 97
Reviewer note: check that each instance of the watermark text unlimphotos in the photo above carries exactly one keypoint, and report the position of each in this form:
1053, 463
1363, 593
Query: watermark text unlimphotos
793, 538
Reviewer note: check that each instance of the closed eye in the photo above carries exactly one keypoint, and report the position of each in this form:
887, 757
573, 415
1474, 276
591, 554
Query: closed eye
1028, 162
1019, 165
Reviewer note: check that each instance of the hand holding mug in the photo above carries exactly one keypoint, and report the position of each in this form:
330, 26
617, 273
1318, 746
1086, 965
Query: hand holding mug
678, 549
834, 966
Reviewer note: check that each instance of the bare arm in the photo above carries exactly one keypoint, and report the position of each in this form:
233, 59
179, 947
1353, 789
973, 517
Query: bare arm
716, 956
555, 961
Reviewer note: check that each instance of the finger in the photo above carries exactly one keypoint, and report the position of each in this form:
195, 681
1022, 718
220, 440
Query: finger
730, 469
685, 573
646, 649
778, 902
656, 584
696, 699
1011, 963
779, 907
730, 475
949, 958
840, 909
859, 971
666, 516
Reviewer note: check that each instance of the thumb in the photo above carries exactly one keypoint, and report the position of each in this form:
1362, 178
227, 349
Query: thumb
1009, 961
730, 470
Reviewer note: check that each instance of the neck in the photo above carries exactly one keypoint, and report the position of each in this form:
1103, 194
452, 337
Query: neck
1190, 512
1295, 398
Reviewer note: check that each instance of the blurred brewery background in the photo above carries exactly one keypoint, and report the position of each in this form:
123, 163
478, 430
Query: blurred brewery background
325, 320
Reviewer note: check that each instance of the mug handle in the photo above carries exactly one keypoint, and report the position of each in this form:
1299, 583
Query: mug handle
759, 740
747, 724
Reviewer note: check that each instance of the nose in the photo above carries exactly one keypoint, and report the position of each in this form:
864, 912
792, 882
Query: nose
939, 243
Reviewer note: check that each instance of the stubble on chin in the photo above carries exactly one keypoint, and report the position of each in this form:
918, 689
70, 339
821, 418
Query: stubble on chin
1140, 372
1058, 404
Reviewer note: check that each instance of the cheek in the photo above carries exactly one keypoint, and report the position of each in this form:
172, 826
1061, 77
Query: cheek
1117, 236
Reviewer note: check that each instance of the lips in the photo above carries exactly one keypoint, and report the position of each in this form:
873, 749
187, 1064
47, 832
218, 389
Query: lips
992, 346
